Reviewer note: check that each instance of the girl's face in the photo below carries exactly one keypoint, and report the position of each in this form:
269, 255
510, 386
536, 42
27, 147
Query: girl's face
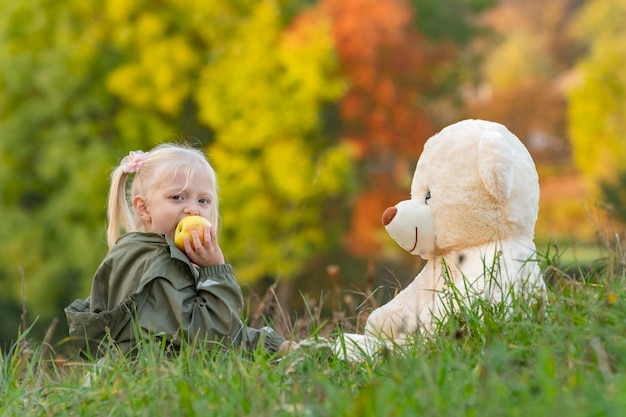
174, 198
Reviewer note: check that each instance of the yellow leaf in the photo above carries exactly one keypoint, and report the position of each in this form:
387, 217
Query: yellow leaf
119, 10
611, 298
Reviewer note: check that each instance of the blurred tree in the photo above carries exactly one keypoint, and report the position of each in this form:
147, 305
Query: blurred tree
55, 130
262, 93
597, 113
614, 196
525, 74
84, 82
454, 21
403, 62
535, 110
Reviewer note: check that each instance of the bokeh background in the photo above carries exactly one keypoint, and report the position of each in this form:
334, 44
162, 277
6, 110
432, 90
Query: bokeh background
313, 113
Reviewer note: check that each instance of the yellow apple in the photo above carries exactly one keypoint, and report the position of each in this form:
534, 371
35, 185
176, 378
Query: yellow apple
186, 226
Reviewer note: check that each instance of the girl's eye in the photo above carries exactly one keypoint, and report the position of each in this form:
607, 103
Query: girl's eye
427, 197
204, 201
177, 197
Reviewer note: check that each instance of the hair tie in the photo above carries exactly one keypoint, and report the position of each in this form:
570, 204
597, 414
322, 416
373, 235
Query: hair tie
133, 162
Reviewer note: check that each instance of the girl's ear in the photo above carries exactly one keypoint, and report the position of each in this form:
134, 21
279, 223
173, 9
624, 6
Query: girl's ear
141, 208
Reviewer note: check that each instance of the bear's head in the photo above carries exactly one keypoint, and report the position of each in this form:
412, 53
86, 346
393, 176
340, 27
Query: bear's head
475, 182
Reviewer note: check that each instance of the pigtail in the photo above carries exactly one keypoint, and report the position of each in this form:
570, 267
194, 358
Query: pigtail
118, 211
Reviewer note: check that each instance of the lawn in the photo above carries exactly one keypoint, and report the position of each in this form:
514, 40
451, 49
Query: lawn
566, 357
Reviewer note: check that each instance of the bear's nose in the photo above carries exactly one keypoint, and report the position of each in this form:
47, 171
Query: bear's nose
388, 215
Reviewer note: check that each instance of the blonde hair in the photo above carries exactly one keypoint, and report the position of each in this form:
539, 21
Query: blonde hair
164, 160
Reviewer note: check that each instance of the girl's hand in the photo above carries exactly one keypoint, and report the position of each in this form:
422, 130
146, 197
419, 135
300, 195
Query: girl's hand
286, 347
206, 254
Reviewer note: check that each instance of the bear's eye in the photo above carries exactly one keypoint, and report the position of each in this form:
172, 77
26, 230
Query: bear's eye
427, 197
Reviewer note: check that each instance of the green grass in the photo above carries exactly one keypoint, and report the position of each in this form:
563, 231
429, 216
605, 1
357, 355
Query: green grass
564, 358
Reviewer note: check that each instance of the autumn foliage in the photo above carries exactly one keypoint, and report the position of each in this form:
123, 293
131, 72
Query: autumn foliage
313, 113
390, 67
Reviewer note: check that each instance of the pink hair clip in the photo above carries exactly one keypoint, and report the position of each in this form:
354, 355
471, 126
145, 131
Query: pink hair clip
133, 161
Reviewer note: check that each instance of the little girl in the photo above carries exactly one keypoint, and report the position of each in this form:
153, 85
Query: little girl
146, 286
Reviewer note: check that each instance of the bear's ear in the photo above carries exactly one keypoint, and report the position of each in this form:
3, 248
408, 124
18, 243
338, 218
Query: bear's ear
495, 165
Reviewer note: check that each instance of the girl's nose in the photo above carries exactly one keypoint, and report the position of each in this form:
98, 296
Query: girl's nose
191, 209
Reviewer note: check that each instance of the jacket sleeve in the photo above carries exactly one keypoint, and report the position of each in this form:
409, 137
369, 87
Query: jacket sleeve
249, 338
206, 311
265, 338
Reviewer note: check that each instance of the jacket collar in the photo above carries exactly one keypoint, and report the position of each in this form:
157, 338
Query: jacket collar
160, 240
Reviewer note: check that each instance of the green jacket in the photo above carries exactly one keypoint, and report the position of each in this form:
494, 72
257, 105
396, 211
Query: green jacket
147, 287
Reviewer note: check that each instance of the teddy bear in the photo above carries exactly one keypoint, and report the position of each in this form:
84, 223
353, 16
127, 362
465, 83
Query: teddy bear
471, 216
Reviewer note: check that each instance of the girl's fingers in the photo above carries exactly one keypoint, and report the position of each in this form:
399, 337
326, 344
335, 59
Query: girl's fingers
197, 243
210, 234
205, 254
187, 244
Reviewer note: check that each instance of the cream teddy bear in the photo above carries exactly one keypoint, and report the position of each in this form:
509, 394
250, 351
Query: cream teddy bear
471, 216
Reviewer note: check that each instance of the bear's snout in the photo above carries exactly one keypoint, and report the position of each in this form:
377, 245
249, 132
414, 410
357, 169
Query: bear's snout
389, 214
